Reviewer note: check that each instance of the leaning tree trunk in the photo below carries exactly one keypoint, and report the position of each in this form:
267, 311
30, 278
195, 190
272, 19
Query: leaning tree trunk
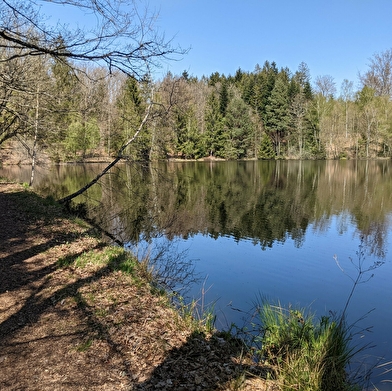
34, 152
113, 163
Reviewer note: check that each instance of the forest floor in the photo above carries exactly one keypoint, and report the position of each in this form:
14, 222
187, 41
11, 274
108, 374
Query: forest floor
67, 327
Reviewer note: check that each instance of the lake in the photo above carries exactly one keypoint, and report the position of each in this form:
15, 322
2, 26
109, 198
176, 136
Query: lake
290, 231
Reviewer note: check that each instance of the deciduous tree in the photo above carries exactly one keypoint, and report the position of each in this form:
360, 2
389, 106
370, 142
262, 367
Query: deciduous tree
379, 75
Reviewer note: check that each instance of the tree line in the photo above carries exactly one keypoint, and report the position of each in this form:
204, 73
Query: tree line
69, 104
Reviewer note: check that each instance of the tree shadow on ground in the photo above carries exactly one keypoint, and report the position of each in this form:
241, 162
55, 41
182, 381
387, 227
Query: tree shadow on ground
43, 319
27, 235
218, 362
57, 332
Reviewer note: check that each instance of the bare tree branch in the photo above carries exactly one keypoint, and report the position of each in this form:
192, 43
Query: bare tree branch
379, 75
119, 35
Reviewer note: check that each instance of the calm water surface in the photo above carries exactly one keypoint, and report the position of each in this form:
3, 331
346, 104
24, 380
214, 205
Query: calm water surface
290, 231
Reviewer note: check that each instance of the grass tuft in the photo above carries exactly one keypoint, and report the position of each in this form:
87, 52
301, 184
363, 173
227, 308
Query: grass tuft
308, 354
84, 345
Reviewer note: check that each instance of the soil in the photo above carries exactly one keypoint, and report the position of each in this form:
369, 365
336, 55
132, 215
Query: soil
92, 328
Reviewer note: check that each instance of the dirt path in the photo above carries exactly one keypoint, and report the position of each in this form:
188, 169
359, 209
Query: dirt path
93, 327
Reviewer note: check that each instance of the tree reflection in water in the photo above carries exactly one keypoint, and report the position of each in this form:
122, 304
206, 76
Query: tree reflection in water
272, 204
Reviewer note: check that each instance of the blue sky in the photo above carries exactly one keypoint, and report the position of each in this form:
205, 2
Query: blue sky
334, 37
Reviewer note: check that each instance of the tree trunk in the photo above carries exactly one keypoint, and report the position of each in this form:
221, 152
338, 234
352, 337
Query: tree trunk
113, 163
34, 152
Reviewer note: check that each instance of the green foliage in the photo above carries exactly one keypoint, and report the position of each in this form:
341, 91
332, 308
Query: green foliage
238, 126
82, 137
309, 354
277, 118
130, 105
266, 150
189, 141
66, 89
223, 98
82, 112
365, 96
214, 123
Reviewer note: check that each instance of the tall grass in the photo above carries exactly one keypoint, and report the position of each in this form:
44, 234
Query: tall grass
197, 311
307, 354
310, 354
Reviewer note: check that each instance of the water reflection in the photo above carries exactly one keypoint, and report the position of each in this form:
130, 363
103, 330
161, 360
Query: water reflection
266, 202
270, 227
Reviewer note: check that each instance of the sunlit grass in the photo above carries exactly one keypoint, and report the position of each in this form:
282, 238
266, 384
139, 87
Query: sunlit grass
307, 354
116, 258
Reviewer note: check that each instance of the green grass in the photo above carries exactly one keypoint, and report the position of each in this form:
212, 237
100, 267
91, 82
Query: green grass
307, 354
82, 347
116, 258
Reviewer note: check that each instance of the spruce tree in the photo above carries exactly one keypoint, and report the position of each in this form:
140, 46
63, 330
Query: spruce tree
277, 118
214, 137
239, 129
223, 98
130, 106
266, 149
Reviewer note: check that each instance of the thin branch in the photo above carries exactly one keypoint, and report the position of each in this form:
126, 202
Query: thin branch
112, 164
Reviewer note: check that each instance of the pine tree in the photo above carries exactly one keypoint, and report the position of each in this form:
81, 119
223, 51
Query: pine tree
223, 98
277, 118
214, 135
239, 129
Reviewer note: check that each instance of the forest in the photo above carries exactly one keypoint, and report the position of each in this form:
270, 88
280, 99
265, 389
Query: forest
63, 106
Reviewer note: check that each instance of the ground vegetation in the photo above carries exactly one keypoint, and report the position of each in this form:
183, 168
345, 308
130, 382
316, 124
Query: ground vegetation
80, 314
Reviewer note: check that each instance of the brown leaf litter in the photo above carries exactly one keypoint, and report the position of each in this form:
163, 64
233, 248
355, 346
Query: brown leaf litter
92, 328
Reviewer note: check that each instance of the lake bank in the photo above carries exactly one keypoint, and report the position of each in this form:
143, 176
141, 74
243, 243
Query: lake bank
72, 319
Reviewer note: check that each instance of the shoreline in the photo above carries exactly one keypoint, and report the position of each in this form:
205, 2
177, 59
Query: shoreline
77, 313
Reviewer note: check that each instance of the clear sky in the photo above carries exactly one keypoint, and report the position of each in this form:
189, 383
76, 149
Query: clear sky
333, 37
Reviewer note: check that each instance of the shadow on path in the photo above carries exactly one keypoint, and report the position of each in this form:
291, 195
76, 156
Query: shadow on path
215, 363
92, 329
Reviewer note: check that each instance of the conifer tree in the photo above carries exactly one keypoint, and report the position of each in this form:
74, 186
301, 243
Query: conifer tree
266, 149
223, 98
131, 106
214, 127
189, 142
277, 118
64, 105
239, 129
